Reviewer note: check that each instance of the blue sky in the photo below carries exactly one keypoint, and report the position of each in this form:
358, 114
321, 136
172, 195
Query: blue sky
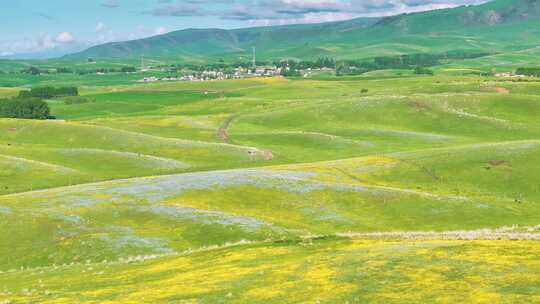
56, 27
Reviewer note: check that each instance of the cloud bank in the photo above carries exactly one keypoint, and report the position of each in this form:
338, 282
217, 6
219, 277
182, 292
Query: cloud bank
295, 11
162, 14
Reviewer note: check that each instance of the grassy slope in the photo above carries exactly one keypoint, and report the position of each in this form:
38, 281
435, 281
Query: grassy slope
172, 128
497, 26
358, 271
439, 190
413, 154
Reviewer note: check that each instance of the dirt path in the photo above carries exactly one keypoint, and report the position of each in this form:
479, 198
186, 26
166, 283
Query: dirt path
502, 90
223, 134
223, 131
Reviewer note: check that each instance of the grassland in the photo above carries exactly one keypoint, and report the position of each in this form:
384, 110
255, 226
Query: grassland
274, 190
337, 271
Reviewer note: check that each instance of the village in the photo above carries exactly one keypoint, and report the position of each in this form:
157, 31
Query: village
211, 74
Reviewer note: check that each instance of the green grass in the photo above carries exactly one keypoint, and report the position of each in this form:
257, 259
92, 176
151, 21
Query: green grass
357, 271
129, 103
263, 190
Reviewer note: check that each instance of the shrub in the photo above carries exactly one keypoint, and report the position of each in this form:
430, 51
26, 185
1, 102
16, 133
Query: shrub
423, 71
128, 70
29, 108
73, 100
345, 69
32, 71
528, 71
49, 92
291, 73
64, 71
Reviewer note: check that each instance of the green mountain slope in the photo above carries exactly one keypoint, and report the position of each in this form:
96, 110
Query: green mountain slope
209, 42
496, 26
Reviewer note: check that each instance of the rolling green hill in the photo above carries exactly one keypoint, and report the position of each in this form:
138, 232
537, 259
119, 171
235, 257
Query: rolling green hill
273, 190
385, 187
496, 26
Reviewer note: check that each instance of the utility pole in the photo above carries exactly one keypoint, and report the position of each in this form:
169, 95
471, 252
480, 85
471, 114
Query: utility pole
142, 63
254, 59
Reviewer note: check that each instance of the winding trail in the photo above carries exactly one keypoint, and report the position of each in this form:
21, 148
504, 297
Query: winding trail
223, 131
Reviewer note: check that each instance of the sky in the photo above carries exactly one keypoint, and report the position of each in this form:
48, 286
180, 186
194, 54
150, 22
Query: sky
48, 28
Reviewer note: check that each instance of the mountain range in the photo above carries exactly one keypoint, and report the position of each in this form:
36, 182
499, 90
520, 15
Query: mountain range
496, 26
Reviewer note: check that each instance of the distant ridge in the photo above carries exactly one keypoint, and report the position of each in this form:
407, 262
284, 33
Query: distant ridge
500, 25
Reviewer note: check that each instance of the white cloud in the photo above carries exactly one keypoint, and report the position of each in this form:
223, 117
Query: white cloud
160, 30
145, 31
111, 3
64, 37
100, 27
45, 41
40, 43
294, 11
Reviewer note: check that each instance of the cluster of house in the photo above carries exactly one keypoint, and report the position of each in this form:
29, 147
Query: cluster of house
258, 72
209, 75
509, 75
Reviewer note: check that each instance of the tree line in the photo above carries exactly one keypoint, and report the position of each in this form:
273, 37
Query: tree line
419, 62
64, 70
343, 67
27, 108
49, 92
30, 104
528, 71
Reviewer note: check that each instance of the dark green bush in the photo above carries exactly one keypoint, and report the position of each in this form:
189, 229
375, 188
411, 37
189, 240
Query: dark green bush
423, 71
528, 71
291, 73
49, 92
73, 100
29, 108
128, 70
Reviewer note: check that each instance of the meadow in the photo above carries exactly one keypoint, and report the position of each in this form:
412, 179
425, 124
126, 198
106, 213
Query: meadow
365, 189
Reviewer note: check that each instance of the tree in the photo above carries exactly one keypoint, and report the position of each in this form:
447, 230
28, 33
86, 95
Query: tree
28, 108
128, 69
349, 68
423, 71
291, 73
49, 92
531, 71
64, 70
32, 71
